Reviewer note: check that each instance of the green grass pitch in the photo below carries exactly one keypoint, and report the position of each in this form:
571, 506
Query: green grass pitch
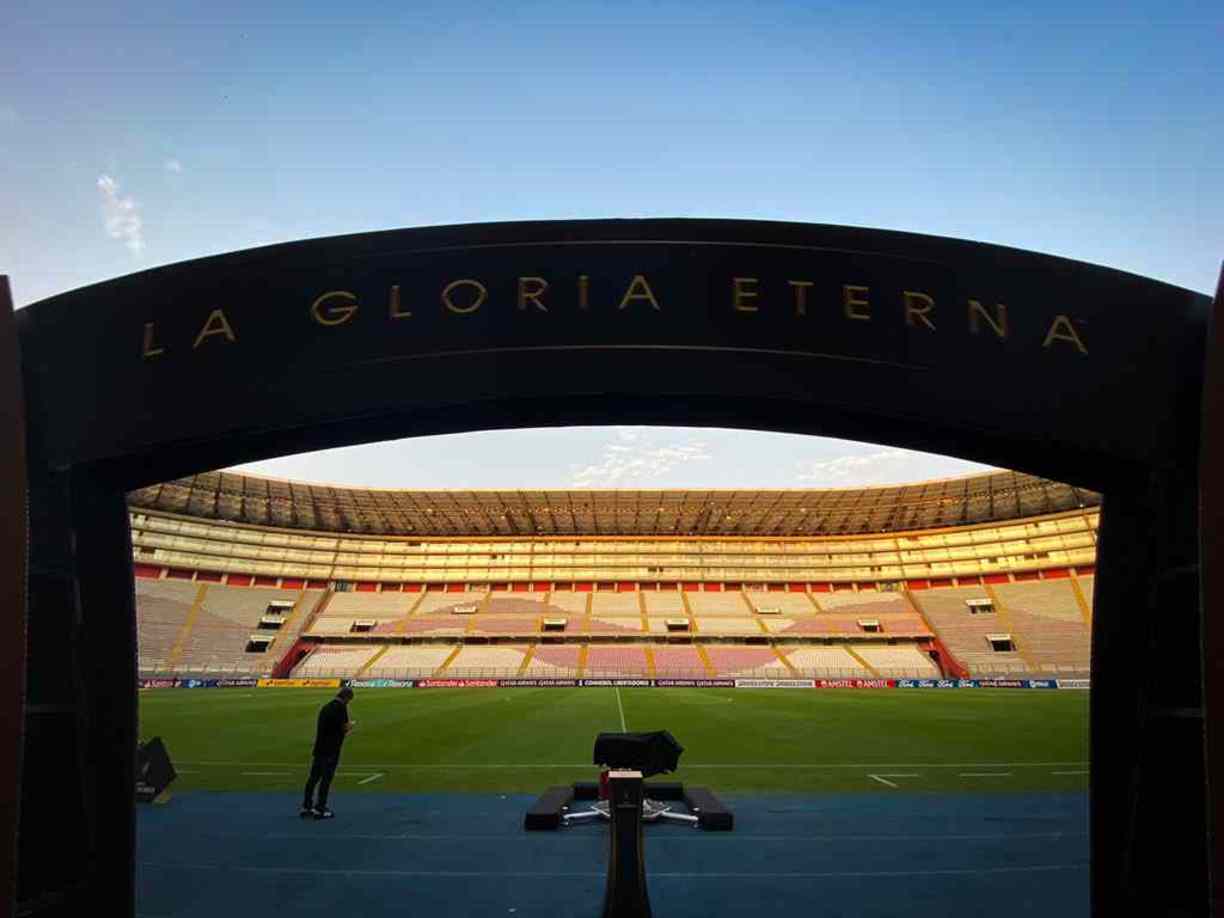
520, 740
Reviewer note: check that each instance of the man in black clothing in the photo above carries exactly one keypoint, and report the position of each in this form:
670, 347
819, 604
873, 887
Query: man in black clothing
334, 725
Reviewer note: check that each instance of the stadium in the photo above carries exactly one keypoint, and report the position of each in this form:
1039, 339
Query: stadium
981, 693
615, 610
989, 576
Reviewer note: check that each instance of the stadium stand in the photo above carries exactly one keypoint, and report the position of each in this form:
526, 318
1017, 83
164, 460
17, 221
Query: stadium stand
965, 633
554, 660
667, 603
211, 633
819, 582
484, 659
678, 661
327, 661
614, 605
785, 603
732, 660
409, 661
616, 660
708, 604
903, 661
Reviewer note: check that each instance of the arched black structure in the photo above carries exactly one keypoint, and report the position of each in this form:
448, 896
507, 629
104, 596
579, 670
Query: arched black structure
1054, 367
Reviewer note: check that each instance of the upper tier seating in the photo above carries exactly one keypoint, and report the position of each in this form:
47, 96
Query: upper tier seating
571, 603
520, 604
786, 603
665, 603
371, 605
619, 624
906, 624
727, 624
866, 603
438, 602
605, 603
710, 603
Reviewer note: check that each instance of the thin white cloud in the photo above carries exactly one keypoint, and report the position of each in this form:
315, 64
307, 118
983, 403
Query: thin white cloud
629, 462
881, 467
120, 215
173, 165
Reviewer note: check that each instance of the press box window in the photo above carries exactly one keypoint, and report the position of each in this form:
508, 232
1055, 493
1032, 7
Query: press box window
1001, 643
258, 644
363, 626
870, 625
980, 606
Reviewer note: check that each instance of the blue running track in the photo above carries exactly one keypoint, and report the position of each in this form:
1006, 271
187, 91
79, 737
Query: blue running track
234, 855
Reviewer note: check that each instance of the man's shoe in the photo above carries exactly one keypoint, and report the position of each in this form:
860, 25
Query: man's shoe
306, 812
323, 813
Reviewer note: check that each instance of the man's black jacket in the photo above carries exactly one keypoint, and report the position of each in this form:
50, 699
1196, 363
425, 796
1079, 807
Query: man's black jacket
330, 733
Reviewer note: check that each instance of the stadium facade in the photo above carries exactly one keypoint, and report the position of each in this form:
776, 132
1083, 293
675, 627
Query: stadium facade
983, 576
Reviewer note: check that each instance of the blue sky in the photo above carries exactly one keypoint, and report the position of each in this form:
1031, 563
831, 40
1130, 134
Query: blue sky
134, 135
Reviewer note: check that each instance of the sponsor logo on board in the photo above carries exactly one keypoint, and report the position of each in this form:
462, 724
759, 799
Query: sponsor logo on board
775, 683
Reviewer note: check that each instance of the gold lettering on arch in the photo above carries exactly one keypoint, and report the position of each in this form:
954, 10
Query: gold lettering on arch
918, 307
393, 305
855, 302
998, 321
742, 290
481, 294
530, 289
216, 324
639, 289
800, 287
148, 350
1062, 329
334, 315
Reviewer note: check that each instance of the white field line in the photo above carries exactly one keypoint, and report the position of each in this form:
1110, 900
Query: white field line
621, 708
686, 766
476, 874
883, 780
370, 778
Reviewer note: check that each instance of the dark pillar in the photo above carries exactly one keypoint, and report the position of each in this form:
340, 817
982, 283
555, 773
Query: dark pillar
1211, 534
13, 534
76, 843
1148, 822
626, 892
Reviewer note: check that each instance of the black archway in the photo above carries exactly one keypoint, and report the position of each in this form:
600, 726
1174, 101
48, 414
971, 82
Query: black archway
1038, 363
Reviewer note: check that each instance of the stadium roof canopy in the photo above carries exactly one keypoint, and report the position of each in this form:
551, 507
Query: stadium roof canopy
988, 498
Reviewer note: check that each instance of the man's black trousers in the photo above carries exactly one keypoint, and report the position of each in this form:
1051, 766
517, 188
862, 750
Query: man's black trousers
322, 770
